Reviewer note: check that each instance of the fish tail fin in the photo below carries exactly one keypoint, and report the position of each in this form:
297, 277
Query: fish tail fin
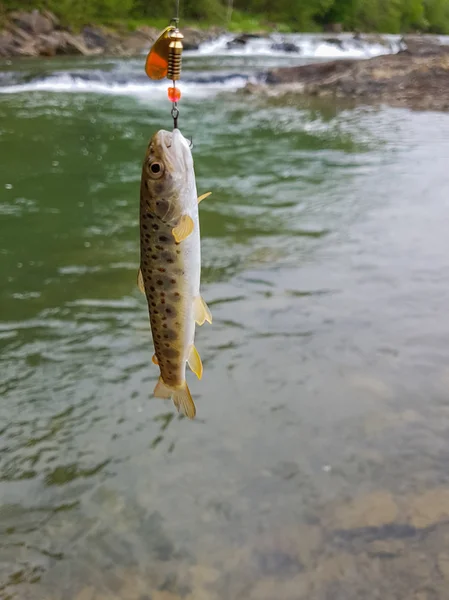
183, 401
162, 390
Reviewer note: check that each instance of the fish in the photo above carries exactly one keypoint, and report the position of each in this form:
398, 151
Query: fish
170, 263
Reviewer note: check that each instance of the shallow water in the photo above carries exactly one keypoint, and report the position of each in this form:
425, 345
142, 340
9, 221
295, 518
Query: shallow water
318, 464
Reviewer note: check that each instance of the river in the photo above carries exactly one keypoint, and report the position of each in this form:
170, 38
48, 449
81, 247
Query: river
317, 466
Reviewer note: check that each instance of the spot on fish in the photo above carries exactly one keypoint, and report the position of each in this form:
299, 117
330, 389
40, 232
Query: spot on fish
155, 226
160, 282
154, 256
159, 247
161, 270
163, 238
173, 281
171, 353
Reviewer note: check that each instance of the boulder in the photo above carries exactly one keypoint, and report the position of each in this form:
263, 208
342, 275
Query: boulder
420, 45
33, 22
193, 38
7, 45
94, 37
72, 44
285, 47
335, 42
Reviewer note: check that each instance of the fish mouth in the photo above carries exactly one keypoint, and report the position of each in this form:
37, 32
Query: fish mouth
175, 150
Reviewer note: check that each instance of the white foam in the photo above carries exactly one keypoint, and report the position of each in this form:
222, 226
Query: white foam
72, 84
309, 46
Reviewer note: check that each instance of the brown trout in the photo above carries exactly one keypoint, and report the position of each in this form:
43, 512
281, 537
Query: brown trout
170, 263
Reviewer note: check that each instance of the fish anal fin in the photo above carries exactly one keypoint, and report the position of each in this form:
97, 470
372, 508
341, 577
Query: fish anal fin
184, 402
194, 361
201, 311
154, 360
183, 229
140, 283
204, 196
161, 390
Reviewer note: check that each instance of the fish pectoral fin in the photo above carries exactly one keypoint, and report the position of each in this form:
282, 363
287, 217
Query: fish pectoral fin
203, 196
154, 360
183, 229
140, 283
194, 361
184, 402
201, 311
161, 390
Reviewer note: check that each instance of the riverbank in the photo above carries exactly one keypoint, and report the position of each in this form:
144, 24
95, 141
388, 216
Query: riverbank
40, 33
416, 77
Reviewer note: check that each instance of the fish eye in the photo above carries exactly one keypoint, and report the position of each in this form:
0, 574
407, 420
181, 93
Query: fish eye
156, 169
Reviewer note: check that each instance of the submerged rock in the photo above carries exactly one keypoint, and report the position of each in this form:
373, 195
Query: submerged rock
372, 510
429, 508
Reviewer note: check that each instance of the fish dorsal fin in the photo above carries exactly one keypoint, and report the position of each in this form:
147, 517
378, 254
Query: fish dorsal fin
183, 229
154, 360
194, 361
201, 311
204, 196
140, 283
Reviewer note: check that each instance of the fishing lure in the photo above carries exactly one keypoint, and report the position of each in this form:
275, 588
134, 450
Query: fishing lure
165, 60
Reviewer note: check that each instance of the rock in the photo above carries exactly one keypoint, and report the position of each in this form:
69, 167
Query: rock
72, 44
334, 42
429, 508
333, 28
94, 37
285, 47
164, 595
402, 79
241, 40
20, 36
52, 17
47, 45
86, 593
33, 22
418, 45
386, 548
443, 564
371, 510
193, 38
139, 41
7, 47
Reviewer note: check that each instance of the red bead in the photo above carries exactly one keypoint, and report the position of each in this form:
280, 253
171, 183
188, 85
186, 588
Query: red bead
174, 94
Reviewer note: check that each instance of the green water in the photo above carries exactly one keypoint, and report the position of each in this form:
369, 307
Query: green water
318, 465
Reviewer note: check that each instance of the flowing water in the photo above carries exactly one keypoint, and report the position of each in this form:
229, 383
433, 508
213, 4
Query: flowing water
318, 464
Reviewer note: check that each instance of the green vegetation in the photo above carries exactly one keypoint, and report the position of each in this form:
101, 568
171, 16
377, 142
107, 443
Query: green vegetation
248, 15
